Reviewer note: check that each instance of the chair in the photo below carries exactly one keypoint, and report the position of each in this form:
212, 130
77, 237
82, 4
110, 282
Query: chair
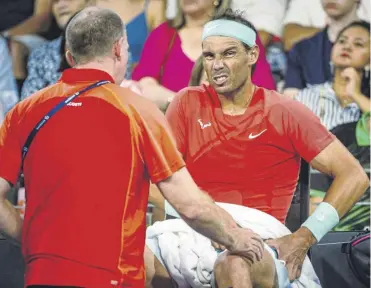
299, 209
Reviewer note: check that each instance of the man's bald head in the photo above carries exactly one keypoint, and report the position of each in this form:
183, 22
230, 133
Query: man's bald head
92, 33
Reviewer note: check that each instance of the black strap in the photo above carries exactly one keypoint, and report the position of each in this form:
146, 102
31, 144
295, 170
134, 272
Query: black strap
51, 113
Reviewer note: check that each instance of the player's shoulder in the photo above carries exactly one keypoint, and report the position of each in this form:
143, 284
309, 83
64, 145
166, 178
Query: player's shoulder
192, 96
275, 102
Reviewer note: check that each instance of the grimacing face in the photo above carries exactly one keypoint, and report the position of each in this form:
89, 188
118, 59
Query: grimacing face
226, 63
352, 49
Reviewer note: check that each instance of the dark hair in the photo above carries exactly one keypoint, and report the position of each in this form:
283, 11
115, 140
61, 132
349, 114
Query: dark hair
92, 33
197, 70
237, 16
62, 50
365, 84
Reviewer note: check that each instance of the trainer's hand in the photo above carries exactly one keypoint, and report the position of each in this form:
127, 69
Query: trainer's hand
292, 249
248, 245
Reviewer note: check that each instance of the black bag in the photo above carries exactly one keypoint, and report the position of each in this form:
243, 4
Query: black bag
358, 256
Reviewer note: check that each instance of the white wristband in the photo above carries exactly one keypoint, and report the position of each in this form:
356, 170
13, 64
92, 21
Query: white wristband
323, 219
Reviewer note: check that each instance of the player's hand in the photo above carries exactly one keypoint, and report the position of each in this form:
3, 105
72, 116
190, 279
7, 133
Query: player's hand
292, 249
353, 83
247, 245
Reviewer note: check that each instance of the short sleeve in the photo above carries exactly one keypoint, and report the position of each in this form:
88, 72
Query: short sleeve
294, 75
10, 150
153, 53
305, 130
176, 118
159, 151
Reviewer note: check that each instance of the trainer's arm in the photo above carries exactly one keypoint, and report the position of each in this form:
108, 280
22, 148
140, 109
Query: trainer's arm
197, 208
155, 92
350, 180
10, 220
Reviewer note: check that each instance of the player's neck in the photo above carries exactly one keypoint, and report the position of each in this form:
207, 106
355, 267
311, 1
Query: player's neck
336, 25
236, 103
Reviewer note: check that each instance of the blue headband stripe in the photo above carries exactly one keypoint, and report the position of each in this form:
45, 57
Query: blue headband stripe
228, 28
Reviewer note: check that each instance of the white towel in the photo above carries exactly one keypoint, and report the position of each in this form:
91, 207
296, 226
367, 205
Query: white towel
190, 257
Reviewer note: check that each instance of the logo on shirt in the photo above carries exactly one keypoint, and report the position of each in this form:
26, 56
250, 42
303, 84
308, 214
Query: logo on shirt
75, 104
114, 282
252, 136
203, 126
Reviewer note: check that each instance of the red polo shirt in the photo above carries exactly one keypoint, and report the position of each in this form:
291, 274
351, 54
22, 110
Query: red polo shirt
251, 159
87, 179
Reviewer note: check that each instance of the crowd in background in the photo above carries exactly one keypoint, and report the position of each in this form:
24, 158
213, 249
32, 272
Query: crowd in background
317, 51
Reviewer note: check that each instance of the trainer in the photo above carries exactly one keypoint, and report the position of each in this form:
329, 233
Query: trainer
89, 149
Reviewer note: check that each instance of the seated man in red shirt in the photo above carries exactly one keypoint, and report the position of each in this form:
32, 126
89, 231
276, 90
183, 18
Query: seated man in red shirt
243, 145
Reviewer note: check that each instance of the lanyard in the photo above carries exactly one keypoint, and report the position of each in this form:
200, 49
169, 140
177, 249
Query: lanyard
51, 113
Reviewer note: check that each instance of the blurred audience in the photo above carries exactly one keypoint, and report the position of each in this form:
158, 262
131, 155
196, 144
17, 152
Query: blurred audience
46, 63
305, 18
343, 99
8, 88
309, 60
27, 24
172, 49
140, 17
266, 15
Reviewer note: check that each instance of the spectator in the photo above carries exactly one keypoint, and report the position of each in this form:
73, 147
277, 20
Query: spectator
305, 18
141, 17
26, 23
46, 63
176, 44
344, 99
8, 88
302, 71
266, 15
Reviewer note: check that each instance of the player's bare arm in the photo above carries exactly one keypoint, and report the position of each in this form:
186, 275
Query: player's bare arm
10, 220
350, 183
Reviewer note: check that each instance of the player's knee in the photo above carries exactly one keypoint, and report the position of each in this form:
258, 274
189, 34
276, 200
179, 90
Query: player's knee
230, 264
